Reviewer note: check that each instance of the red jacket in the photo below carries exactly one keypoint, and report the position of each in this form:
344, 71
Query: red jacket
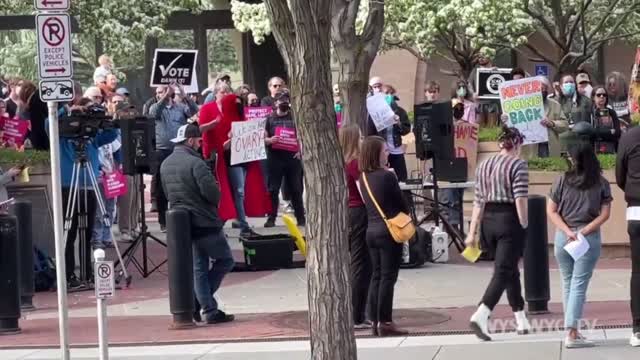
257, 202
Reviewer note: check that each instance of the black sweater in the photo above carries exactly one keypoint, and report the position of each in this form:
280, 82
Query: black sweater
385, 188
628, 166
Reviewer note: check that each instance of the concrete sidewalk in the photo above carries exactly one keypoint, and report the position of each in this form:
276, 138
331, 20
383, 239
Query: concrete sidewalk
611, 344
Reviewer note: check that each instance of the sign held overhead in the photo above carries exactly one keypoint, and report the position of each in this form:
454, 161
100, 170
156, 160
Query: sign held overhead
54, 46
175, 66
52, 5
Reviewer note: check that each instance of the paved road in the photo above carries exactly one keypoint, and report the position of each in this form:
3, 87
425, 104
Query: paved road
612, 345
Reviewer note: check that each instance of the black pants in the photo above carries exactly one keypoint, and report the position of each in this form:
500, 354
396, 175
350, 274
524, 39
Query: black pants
360, 262
290, 170
386, 256
90, 211
160, 197
399, 166
503, 232
634, 236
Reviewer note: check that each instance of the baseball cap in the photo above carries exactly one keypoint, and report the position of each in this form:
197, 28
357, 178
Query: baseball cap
282, 95
580, 78
122, 91
185, 132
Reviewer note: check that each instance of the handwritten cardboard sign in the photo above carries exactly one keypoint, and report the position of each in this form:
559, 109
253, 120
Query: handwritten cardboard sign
114, 184
247, 141
288, 140
466, 145
522, 102
15, 132
381, 114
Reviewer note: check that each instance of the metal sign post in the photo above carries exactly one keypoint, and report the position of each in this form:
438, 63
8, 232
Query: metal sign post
55, 68
105, 288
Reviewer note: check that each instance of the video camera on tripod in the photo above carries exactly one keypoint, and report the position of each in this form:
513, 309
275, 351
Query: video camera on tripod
85, 123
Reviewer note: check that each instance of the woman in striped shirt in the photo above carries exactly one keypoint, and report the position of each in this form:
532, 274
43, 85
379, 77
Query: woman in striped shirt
502, 185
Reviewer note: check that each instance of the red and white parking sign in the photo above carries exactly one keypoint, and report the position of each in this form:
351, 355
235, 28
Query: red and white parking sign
54, 46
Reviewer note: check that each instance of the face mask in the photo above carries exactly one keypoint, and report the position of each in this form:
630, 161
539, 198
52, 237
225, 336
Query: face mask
338, 108
568, 89
389, 99
461, 92
458, 113
283, 107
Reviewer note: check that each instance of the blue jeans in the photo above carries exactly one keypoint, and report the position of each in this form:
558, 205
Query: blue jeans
102, 233
576, 276
453, 199
237, 177
206, 278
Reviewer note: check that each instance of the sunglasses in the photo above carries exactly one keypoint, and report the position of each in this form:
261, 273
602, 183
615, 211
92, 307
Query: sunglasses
601, 95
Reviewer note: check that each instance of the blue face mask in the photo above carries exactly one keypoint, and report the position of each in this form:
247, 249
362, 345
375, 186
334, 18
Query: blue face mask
389, 99
568, 89
338, 107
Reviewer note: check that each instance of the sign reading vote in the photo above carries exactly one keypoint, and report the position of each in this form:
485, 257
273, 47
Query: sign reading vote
522, 102
247, 141
174, 66
54, 46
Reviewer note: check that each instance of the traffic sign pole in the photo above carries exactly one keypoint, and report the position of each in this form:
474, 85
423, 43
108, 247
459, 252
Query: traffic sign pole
101, 301
56, 190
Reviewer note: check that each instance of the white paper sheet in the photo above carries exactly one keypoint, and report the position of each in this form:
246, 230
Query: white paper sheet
380, 112
577, 248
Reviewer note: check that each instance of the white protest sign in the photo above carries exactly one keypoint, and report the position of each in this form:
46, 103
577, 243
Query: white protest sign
522, 101
380, 112
247, 141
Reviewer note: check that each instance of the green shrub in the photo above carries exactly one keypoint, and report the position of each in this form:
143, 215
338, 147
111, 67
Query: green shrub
28, 157
487, 134
607, 162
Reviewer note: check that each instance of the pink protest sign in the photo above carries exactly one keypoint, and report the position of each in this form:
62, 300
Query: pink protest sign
256, 113
288, 140
114, 184
466, 145
15, 131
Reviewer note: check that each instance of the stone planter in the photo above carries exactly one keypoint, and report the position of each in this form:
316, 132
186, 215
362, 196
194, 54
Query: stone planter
38, 191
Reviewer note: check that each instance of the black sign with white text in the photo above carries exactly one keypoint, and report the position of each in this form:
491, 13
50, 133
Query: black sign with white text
488, 81
170, 65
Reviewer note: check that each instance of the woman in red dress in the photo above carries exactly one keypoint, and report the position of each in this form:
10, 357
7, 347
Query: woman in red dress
243, 193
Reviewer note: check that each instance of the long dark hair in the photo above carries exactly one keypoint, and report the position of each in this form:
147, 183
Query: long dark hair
585, 171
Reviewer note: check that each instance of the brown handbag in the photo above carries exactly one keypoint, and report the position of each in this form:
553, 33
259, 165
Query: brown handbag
401, 226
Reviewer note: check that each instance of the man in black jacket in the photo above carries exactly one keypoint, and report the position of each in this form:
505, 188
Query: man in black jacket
628, 179
394, 135
189, 183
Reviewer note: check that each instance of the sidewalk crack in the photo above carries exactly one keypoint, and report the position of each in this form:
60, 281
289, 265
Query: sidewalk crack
437, 353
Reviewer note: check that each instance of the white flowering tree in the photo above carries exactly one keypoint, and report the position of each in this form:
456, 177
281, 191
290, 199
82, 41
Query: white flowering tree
356, 34
579, 28
457, 30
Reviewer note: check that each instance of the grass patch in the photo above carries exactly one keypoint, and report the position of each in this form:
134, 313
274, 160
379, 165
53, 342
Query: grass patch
487, 134
28, 157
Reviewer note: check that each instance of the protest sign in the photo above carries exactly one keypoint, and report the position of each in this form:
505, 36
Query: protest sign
247, 141
114, 184
634, 86
15, 132
257, 113
522, 102
175, 66
466, 145
380, 112
488, 81
288, 140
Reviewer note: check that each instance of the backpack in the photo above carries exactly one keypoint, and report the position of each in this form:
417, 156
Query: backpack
44, 271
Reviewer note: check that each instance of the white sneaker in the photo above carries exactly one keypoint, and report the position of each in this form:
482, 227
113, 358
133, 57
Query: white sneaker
579, 342
635, 340
522, 324
480, 322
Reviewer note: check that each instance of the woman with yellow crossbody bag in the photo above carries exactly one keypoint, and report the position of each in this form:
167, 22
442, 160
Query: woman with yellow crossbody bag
388, 228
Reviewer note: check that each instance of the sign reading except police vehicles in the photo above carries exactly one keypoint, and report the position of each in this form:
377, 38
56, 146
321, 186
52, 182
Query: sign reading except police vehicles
52, 5
488, 81
54, 46
175, 66
105, 283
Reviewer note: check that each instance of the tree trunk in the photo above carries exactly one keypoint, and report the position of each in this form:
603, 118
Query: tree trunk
353, 80
301, 29
420, 82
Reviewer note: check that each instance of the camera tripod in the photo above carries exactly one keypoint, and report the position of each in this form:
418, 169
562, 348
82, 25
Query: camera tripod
81, 168
140, 241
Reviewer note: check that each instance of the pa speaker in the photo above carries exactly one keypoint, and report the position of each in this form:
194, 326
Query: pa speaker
138, 136
433, 129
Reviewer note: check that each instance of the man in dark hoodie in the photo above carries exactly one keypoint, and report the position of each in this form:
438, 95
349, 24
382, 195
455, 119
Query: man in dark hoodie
394, 135
628, 179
